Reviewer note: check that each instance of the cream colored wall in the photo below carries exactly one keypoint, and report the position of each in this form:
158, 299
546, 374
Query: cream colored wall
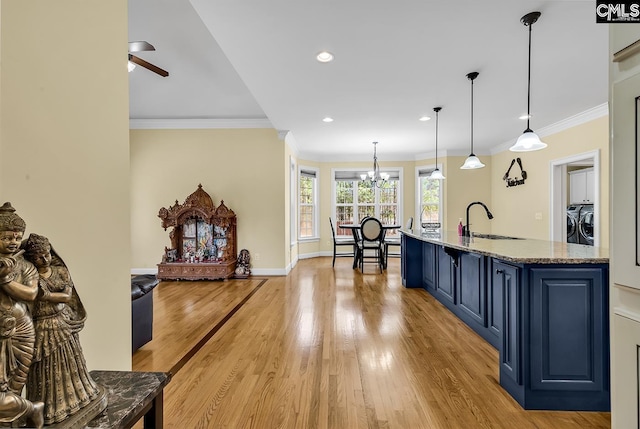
409, 193
65, 151
515, 208
244, 167
463, 187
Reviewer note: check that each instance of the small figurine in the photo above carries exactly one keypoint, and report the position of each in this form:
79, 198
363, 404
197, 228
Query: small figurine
243, 265
170, 255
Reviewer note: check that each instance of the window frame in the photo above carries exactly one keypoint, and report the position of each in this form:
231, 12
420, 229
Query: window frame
315, 204
418, 198
394, 171
293, 202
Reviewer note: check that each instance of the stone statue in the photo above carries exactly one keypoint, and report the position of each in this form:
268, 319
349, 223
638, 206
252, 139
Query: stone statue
18, 286
58, 375
243, 264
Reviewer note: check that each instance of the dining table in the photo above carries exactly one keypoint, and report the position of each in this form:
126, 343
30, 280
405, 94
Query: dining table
357, 236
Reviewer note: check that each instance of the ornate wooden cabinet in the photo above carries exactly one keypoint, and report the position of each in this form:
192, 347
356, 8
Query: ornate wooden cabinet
203, 240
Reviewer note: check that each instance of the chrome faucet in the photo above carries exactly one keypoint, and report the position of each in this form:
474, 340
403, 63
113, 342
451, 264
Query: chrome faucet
467, 232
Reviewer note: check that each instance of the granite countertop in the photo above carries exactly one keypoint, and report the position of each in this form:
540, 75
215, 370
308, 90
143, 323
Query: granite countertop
524, 251
130, 393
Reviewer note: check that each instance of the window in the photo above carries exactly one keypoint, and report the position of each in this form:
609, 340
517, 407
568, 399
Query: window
307, 203
355, 199
293, 200
429, 198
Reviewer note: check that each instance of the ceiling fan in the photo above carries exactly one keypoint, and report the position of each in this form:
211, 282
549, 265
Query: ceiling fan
140, 47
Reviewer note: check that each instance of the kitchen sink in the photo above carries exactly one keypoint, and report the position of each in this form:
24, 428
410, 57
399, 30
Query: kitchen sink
495, 236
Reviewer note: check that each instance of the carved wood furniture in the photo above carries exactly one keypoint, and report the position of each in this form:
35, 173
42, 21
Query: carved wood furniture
203, 240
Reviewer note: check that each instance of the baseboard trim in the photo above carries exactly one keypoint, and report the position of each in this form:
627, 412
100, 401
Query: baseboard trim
138, 271
254, 271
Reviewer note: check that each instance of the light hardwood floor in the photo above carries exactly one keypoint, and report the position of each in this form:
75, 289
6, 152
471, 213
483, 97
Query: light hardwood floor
327, 348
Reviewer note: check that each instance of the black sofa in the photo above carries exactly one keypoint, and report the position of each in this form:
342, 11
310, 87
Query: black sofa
142, 309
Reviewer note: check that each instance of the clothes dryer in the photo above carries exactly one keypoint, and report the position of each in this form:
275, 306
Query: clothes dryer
573, 216
586, 225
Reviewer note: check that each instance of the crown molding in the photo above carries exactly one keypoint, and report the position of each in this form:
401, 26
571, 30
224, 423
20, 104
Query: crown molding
288, 138
353, 157
570, 122
194, 123
448, 153
290, 141
282, 134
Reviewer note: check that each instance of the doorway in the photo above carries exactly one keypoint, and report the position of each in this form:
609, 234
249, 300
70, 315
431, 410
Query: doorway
584, 168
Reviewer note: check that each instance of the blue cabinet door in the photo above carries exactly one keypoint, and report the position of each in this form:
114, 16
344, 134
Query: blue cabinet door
499, 273
494, 298
411, 263
507, 278
445, 286
569, 327
429, 266
472, 301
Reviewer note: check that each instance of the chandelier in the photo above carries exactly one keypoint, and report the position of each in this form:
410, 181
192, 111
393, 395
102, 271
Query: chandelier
374, 176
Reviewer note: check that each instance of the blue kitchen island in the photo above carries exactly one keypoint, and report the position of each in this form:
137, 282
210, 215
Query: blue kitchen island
543, 305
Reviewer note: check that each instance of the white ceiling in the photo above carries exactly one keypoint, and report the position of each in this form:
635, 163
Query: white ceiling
254, 61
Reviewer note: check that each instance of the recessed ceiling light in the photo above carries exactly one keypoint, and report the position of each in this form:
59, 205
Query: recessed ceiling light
324, 57
327, 119
424, 118
525, 117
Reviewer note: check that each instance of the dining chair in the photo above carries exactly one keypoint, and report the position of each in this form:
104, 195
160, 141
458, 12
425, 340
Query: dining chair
370, 247
394, 241
342, 242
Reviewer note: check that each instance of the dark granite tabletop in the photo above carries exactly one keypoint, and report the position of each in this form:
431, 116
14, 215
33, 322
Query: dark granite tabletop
129, 394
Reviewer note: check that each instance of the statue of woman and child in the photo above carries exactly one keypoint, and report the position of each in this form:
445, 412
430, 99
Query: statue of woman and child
41, 316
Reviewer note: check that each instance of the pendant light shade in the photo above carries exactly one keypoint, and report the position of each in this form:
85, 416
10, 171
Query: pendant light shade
528, 141
472, 162
436, 174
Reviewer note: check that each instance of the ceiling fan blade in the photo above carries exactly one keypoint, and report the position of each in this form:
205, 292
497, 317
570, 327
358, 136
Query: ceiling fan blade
140, 46
148, 66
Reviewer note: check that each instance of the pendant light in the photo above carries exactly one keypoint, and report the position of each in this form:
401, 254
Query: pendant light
436, 174
528, 141
472, 161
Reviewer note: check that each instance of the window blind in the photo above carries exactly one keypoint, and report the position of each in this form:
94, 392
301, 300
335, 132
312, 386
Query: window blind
425, 172
355, 175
